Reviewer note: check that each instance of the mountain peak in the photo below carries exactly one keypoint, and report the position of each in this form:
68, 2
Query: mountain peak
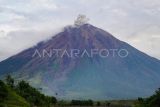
83, 27
88, 58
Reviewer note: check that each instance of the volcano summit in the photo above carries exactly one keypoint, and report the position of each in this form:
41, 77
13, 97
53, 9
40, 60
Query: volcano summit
111, 77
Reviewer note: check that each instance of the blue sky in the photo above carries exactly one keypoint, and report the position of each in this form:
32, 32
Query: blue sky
23, 23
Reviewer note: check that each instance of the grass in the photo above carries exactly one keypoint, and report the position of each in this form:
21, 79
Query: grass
13, 100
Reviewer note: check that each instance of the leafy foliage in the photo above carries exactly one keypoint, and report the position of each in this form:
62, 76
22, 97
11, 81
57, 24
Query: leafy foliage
10, 81
33, 96
3, 91
22, 95
153, 101
9, 98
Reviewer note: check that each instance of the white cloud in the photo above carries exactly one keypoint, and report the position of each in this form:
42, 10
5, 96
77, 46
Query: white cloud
136, 22
147, 40
16, 41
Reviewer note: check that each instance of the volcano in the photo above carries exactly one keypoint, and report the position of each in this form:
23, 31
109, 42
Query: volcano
111, 73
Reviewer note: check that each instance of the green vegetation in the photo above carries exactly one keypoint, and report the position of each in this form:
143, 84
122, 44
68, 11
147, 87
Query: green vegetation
33, 96
152, 101
9, 98
22, 95
82, 102
91, 103
10, 81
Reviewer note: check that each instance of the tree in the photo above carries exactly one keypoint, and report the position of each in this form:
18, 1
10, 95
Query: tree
98, 103
53, 100
3, 91
82, 102
108, 104
33, 96
152, 101
140, 100
10, 81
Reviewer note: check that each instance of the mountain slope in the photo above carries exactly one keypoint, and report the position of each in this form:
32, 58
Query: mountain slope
96, 77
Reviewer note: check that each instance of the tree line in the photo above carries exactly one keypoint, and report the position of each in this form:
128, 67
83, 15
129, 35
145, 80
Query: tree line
34, 98
152, 101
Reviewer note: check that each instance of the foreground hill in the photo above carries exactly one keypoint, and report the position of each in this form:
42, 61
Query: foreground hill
22, 95
9, 98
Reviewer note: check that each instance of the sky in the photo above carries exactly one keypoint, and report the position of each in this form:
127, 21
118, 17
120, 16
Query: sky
23, 23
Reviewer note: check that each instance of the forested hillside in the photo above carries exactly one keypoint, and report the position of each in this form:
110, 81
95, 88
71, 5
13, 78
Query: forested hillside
22, 95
